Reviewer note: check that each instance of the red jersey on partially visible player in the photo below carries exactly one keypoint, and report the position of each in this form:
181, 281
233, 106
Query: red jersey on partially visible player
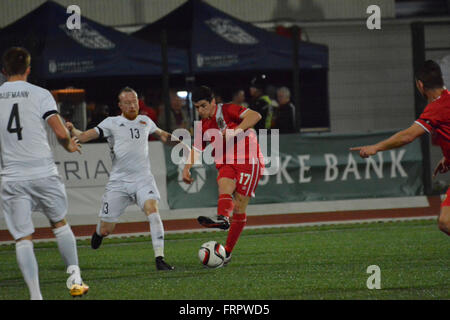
435, 119
243, 160
149, 112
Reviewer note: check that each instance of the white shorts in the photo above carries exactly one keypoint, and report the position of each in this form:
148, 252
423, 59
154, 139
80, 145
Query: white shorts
119, 195
21, 198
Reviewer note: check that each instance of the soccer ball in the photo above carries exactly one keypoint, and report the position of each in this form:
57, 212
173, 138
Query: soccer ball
212, 254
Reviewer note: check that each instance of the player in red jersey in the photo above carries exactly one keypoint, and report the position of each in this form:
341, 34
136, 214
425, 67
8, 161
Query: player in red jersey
434, 120
238, 159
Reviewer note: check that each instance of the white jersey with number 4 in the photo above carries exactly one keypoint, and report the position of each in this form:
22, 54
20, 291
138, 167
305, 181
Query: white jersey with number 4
128, 141
25, 153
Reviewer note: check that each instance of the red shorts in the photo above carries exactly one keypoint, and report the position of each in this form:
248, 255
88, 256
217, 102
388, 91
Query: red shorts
246, 176
446, 202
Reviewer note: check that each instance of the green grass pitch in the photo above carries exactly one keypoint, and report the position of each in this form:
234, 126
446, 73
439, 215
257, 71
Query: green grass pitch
293, 263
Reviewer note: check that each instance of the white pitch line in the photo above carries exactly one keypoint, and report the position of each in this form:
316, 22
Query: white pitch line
286, 225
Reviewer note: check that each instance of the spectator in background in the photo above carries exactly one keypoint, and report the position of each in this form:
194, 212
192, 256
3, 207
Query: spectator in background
90, 110
219, 98
238, 98
178, 114
100, 112
260, 102
67, 111
271, 92
147, 110
285, 113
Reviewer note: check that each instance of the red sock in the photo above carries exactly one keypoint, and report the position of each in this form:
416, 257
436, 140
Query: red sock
237, 225
225, 205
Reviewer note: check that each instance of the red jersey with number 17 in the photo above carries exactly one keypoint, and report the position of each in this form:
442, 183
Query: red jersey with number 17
229, 116
435, 119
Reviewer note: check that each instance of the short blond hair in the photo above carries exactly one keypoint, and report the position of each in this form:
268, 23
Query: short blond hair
126, 89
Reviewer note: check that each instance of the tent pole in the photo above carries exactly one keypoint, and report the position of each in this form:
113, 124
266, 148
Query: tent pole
419, 56
165, 79
190, 82
295, 76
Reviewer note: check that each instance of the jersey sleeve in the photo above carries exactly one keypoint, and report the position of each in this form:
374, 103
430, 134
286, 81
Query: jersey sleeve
234, 111
152, 125
47, 105
430, 118
104, 128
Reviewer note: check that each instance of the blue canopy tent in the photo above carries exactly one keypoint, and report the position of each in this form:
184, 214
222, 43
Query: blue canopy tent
219, 43
92, 51
97, 58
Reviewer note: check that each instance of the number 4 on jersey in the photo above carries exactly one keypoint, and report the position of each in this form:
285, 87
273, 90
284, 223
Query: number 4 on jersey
14, 116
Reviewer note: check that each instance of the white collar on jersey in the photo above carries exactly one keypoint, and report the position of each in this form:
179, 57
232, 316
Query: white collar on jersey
219, 118
439, 96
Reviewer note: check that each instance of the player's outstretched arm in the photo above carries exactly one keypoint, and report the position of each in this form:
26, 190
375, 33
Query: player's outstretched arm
170, 139
193, 156
397, 140
166, 137
62, 134
83, 136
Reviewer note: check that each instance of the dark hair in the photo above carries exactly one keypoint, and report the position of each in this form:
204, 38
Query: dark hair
259, 82
236, 91
202, 93
16, 61
431, 75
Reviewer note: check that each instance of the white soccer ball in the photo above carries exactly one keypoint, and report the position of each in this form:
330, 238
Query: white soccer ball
212, 254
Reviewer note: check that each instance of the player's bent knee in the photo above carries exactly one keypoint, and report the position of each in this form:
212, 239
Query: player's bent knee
150, 210
150, 206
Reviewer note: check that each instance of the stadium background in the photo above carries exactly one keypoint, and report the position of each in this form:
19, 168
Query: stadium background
370, 76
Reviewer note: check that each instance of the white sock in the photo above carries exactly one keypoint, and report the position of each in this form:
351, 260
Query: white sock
67, 244
29, 267
75, 276
157, 233
97, 230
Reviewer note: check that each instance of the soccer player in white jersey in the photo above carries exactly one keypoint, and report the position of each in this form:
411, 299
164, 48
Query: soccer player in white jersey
29, 177
131, 180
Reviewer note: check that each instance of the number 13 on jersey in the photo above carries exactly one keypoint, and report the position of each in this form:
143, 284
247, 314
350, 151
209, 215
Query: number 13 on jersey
135, 134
